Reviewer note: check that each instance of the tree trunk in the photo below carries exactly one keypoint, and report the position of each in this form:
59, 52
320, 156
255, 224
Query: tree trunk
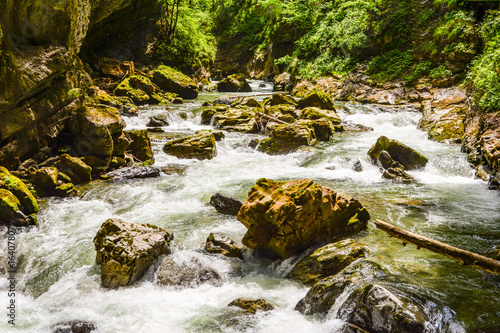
464, 257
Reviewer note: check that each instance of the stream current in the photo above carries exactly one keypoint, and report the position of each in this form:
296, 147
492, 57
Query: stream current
58, 280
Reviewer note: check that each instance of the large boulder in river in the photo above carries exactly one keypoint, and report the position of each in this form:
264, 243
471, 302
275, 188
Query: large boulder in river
286, 218
408, 157
94, 128
328, 260
278, 99
317, 98
136, 87
286, 138
323, 295
376, 309
234, 83
171, 80
200, 146
237, 120
140, 144
126, 250
317, 113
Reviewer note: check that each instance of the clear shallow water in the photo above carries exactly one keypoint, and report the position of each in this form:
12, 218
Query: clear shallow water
59, 281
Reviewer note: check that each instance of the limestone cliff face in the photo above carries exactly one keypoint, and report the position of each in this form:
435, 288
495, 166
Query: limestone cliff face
40, 43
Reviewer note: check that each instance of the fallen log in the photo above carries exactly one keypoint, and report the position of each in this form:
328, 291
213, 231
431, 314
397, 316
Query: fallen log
464, 257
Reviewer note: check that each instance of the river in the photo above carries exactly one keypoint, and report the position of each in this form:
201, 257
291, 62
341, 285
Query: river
58, 280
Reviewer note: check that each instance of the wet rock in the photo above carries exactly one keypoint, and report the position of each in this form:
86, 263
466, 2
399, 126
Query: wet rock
284, 82
323, 128
120, 144
385, 160
237, 120
286, 138
221, 244
247, 101
178, 100
277, 99
177, 169
44, 180
10, 211
158, 121
317, 113
186, 273
322, 296
318, 99
74, 326
126, 250
357, 166
93, 128
75, 168
328, 260
136, 87
377, 310
350, 328
173, 81
234, 83
140, 144
200, 146
494, 253
286, 218
218, 134
252, 305
397, 174
27, 202
225, 205
134, 172
253, 143
97, 163
352, 127
408, 157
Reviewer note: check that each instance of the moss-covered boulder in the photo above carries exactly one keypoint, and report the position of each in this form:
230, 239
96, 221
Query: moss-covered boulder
315, 113
323, 128
218, 134
234, 83
27, 201
140, 144
136, 87
186, 272
173, 81
376, 309
10, 211
323, 295
287, 138
221, 244
408, 157
277, 99
93, 128
75, 168
44, 180
126, 250
286, 218
317, 98
158, 120
208, 114
328, 260
201, 146
237, 120
252, 305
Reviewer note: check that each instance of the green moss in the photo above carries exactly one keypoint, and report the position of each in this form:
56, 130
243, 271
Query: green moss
18, 188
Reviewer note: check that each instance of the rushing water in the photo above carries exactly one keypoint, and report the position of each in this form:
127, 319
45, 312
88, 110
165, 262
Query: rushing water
58, 279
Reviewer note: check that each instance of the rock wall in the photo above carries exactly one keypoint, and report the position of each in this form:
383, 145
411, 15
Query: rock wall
40, 43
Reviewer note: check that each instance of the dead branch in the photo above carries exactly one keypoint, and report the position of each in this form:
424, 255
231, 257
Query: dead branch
464, 257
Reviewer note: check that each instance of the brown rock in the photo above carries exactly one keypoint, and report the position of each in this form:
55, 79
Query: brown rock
252, 305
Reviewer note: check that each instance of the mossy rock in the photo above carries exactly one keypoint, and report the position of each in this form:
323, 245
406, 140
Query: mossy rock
286, 218
75, 169
221, 244
315, 113
136, 87
317, 98
9, 182
176, 82
9, 208
218, 134
328, 260
286, 138
323, 295
97, 163
120, 143
277, 99
234, 83
44, 180
200, 146
126, 250
323, 128
237, 120
252, 305
140, 144
408, 157
66, 190
207, 115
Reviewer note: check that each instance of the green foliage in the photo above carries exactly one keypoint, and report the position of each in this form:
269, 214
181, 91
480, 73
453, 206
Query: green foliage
485, 73
440, 73
192, 44
390, 65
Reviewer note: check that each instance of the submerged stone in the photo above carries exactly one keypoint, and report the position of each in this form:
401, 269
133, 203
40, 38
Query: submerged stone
252, 305
221, 244
186, 273
224, 204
